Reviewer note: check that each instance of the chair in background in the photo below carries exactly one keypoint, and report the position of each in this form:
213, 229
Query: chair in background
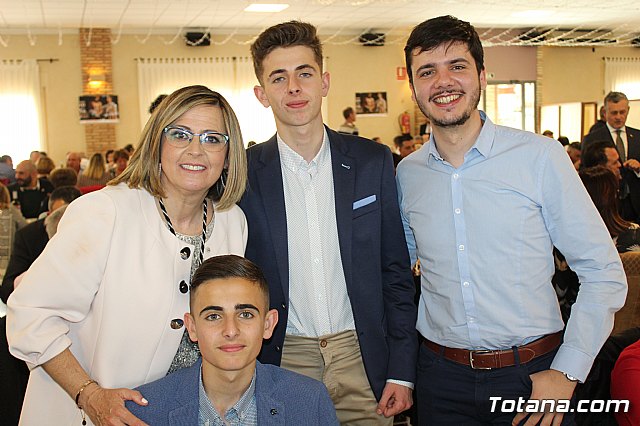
7, 229
629, 315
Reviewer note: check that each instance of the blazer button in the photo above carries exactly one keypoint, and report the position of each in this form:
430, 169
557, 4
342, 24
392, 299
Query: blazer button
273, 411
185, 253
277, 348
284, 306
183, 287
177, 323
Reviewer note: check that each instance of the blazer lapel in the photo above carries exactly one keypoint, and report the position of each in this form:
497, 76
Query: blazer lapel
269, 182
271, 411
344, 178
187, 396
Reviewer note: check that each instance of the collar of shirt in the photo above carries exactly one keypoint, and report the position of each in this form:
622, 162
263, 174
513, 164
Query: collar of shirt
294, 161
622, 129
36, 188
482, 145
245, 408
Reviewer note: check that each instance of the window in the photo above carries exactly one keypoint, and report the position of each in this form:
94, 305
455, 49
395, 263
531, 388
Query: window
510, 104
20, 108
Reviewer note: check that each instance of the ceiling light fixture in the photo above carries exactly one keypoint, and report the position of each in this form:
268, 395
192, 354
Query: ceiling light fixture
266, 7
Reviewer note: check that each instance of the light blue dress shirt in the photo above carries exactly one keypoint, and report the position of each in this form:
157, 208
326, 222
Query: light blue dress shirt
484, 234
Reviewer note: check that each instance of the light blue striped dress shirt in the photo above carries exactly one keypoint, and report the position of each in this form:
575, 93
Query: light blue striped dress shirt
484, 234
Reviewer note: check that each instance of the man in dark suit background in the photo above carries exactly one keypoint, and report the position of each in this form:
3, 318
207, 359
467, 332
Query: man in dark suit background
324, 225
627, 142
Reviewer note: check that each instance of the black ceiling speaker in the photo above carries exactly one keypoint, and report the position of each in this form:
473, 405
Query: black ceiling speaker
198, 39
372, 39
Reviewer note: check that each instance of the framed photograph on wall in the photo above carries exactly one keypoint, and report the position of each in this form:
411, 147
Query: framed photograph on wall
371, 103
98, 109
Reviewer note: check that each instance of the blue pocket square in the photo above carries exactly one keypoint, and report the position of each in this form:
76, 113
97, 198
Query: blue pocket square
363, 202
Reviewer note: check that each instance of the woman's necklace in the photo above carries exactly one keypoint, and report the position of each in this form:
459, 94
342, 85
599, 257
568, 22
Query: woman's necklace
167, 219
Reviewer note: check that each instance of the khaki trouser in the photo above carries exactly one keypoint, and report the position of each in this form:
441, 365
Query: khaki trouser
336, 361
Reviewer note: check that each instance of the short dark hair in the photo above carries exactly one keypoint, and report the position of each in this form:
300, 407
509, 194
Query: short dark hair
65, 193
443, 30
594, 154
229, 266
287, 34
614, 97
400, 139
156, 102
563, 140
575, 145
5, 158
347, 112
64, 176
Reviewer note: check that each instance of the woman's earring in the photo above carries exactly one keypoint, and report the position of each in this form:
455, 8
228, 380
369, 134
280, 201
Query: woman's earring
222, 178
159, 169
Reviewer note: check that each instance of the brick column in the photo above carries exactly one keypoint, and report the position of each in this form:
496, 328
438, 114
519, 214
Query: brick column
95, 59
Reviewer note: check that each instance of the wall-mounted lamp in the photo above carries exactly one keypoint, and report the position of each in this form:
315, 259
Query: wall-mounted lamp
96, 80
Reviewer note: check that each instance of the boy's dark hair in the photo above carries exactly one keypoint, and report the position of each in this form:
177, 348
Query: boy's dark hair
287, 34
156, 102
66, 193
229, 266
64, 176
443, 30
347, 112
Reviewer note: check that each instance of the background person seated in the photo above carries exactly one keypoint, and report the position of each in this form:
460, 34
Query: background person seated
29, 191
95, 174
29, 242
229, 318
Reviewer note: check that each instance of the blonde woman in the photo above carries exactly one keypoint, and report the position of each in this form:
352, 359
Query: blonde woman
95, 173
100, 311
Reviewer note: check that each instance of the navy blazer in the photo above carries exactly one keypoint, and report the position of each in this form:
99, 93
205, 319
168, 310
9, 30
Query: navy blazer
282, 398
372, 248
633, 151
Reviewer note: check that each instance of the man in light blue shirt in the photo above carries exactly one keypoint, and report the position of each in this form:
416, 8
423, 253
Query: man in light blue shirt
483, 206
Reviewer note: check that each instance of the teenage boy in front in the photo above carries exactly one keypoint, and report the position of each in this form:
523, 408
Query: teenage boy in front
229, 318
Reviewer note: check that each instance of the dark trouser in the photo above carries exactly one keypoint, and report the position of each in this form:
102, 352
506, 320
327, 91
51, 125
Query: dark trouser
14, 376
449, 393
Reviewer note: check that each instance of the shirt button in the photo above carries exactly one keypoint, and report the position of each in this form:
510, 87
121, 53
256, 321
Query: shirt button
455, 176
183, 287
316, 260
472, 320
177, 323
185, 253
461, 247
466, 283
323, 343
457, 211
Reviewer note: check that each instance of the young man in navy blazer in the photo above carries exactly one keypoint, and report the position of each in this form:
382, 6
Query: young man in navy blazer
229, 318
325, 227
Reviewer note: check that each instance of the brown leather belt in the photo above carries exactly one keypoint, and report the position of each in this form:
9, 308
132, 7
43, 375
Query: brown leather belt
487, 360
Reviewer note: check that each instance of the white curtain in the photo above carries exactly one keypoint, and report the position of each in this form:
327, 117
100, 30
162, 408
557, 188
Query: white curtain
233, 78
622, 75
20, 108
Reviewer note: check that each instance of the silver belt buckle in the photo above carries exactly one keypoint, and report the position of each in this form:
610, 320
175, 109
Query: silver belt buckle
471, 359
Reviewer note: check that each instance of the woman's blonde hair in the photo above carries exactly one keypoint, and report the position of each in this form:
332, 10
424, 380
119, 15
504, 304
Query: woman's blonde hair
5, 199
95, 169
45, 165
143, 169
